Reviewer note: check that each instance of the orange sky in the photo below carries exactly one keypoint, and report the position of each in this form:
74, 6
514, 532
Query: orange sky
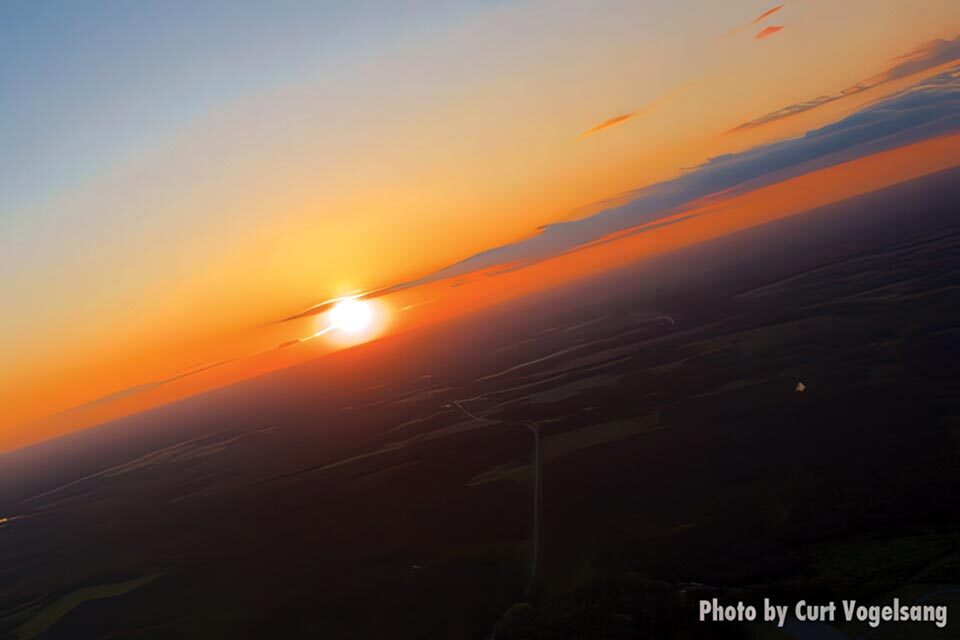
370, 166
440, 301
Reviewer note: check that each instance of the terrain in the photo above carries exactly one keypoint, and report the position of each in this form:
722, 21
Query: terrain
775, 413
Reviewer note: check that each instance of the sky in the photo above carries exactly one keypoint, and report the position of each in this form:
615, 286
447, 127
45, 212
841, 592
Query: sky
179, 178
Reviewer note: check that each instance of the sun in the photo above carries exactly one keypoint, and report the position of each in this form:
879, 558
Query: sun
351, 316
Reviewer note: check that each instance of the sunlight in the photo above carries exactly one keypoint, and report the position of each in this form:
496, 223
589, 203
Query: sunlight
351, 316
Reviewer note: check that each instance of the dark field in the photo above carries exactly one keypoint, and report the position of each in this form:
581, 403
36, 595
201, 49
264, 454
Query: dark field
347, 498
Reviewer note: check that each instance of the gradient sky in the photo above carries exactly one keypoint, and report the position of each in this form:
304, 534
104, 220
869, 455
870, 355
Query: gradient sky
174, 175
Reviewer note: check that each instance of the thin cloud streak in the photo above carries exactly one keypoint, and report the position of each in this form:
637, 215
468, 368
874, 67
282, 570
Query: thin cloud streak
767, 13
140, 388
927, 56
759, 18
767, 32
155, 384
618, 120
606, 124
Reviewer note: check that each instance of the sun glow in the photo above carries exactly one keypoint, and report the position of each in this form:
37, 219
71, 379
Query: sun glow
351, 316
350, 321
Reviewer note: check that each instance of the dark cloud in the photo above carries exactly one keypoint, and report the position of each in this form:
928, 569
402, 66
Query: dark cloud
929, 55
926, 57
928, 109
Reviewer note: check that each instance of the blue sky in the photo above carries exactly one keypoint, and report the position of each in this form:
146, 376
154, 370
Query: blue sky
89, 84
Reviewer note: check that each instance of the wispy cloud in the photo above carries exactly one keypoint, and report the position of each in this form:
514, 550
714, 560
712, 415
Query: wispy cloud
786, 112
766, 32
926, 57
626, 117
329, 303
606, 124
767, 13
760, 18
618, 120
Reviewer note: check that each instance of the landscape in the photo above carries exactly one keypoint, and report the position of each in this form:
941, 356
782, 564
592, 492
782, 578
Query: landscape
736, 382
